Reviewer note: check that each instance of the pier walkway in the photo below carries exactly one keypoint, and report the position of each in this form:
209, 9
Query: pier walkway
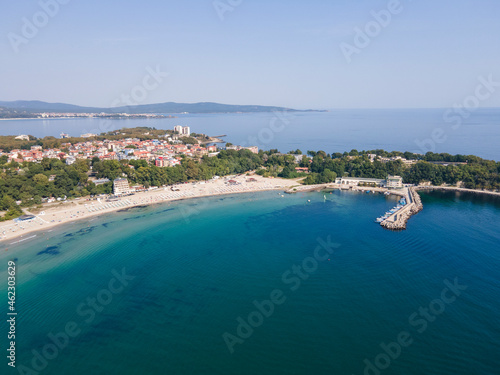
398, 220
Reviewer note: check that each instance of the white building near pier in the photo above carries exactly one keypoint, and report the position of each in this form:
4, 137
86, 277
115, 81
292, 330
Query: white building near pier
356, 181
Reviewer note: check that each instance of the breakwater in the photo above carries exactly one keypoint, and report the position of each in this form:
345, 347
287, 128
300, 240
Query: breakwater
398, 220
395, 221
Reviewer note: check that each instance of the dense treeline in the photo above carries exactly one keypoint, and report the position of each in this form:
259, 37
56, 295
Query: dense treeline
430, 156
26, 184
476, 174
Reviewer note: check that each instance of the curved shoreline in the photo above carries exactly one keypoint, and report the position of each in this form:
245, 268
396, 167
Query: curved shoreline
76, 211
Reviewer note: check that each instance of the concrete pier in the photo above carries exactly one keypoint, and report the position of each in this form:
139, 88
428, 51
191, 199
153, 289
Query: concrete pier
398, 220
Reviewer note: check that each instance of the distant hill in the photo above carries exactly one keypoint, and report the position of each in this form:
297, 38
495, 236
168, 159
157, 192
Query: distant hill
6, 113
170, 107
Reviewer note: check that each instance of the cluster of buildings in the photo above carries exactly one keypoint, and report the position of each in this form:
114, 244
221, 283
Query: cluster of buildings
86, 135
409, 162
391, 182
382, 159
99, 115
253, 149
164, 153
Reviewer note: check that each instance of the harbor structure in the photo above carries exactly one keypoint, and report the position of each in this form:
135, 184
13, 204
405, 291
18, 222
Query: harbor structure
359, 181
391, 182
121, 186
397, 219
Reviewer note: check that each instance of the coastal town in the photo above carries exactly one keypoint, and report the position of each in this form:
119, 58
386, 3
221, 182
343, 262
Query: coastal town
76, 177
164, 151
13, 114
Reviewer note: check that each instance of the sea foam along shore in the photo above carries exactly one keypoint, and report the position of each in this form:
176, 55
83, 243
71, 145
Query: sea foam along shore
82, 209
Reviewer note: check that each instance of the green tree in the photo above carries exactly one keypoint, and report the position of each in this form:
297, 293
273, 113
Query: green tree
41, 179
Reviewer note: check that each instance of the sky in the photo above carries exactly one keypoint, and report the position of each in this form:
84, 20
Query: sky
319, 54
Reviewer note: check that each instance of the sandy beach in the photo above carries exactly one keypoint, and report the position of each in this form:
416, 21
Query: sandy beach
53, 215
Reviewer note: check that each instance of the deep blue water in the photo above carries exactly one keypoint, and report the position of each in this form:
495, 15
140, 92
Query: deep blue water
198, 265
416, 130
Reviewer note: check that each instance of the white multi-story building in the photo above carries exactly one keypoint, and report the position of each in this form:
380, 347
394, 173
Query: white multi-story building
356, 181
121, 186
182, 130
394, 182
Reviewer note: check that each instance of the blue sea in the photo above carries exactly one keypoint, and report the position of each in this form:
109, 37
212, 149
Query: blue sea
262, 284
416, 130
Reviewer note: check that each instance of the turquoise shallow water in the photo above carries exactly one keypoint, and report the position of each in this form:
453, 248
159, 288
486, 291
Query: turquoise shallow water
199, 265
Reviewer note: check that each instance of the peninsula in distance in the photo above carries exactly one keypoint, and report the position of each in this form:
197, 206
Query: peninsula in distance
34, 108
